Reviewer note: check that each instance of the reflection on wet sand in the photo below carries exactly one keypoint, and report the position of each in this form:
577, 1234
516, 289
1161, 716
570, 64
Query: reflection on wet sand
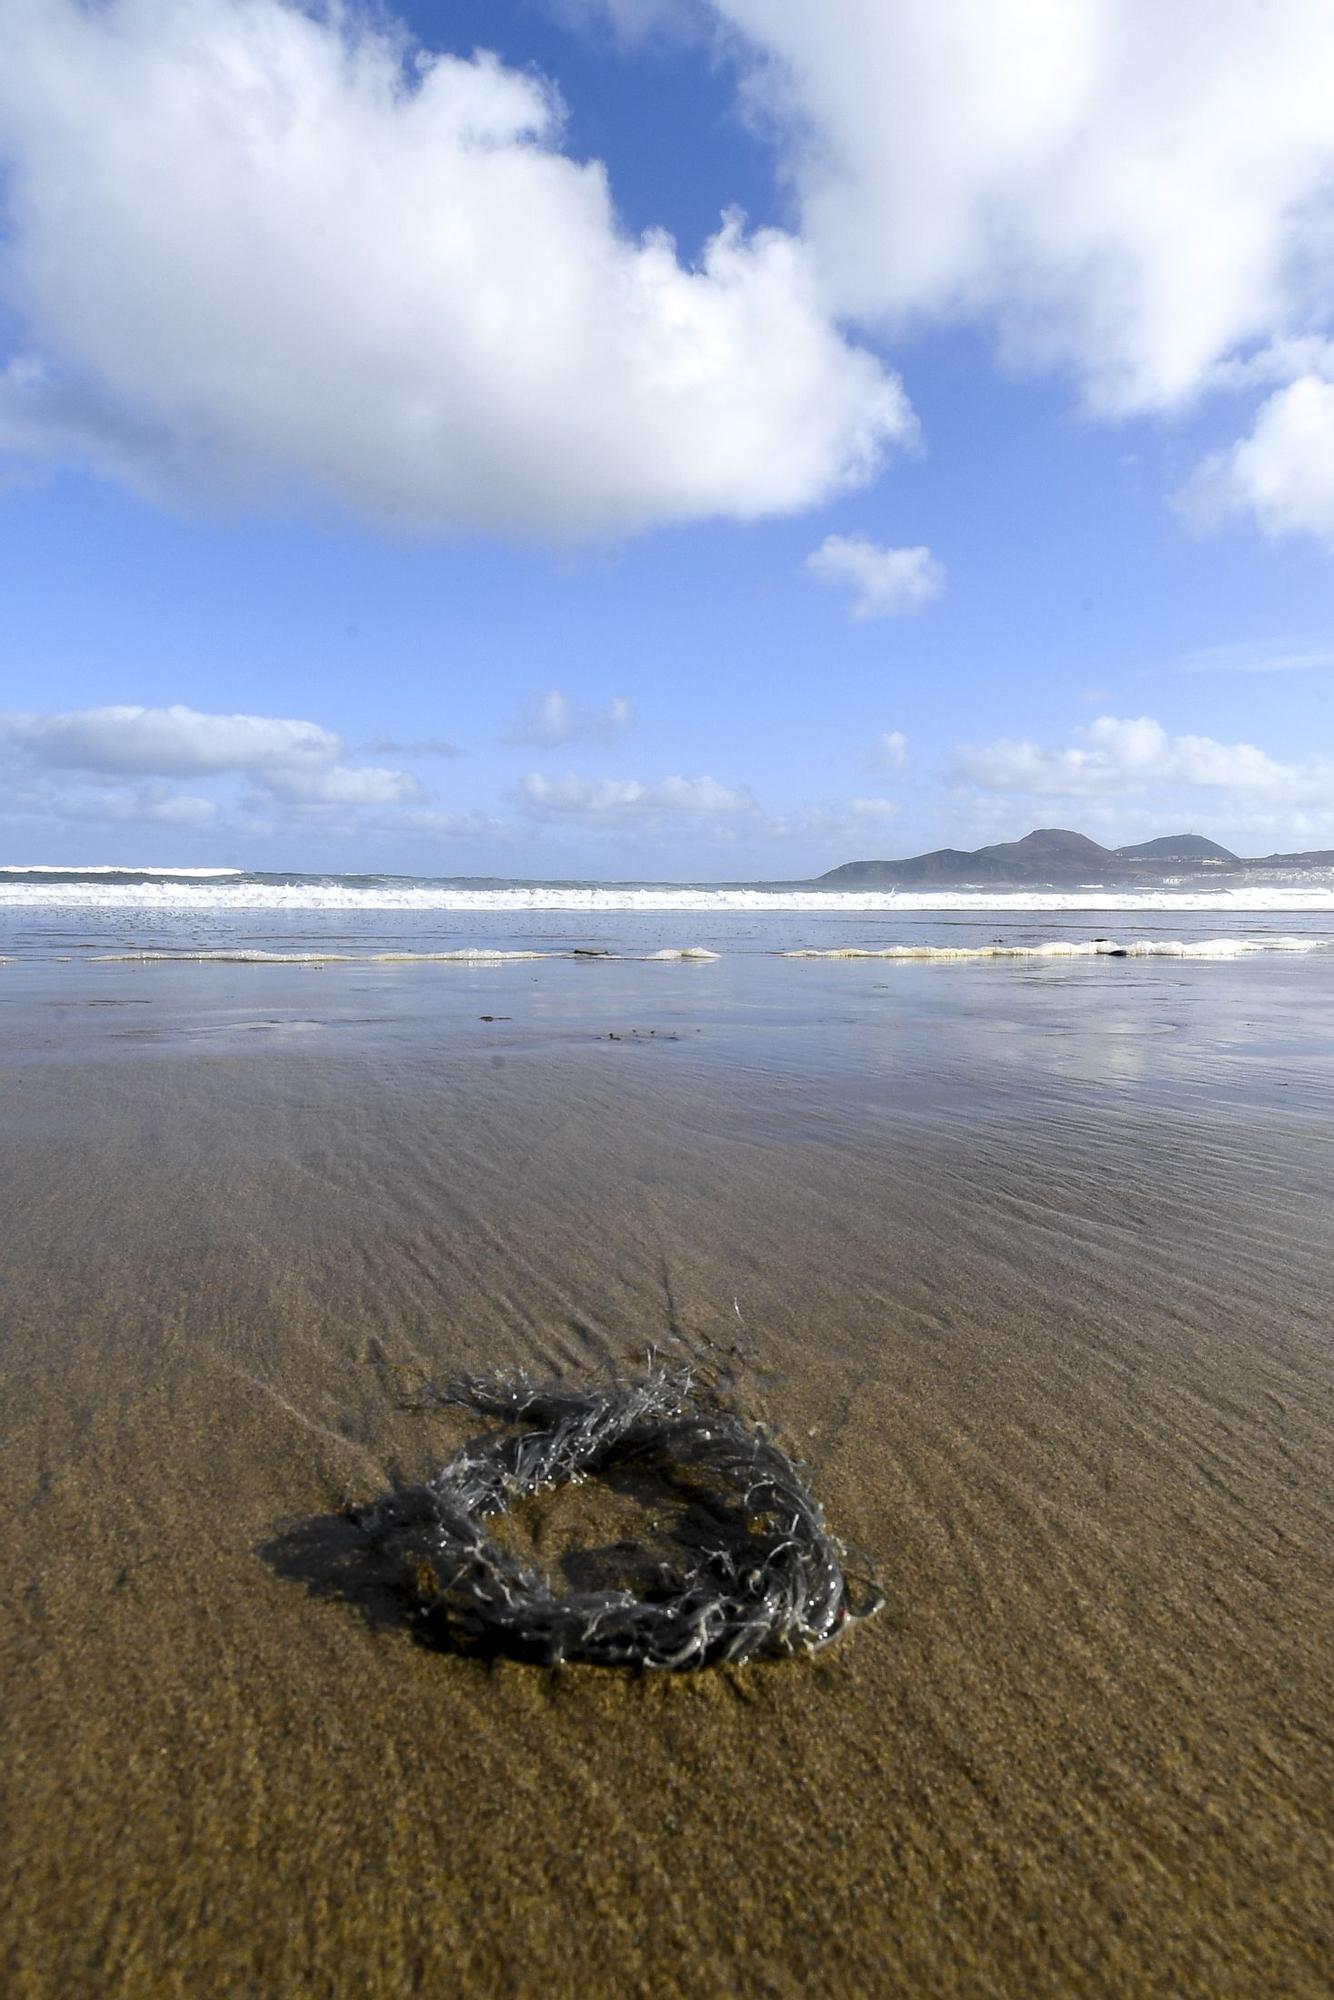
1033, 1270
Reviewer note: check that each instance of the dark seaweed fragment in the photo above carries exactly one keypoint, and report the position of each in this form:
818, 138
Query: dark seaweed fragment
771, 1582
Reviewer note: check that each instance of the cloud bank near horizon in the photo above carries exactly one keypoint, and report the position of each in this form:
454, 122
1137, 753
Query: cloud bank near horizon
289, 777
287, 762
1118, 759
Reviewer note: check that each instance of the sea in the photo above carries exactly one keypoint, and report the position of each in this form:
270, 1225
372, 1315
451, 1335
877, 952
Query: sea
108, 913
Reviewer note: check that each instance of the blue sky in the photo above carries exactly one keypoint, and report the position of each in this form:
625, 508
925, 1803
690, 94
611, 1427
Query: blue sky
374, 499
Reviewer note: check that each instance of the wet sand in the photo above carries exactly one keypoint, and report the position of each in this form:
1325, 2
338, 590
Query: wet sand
1035, 1269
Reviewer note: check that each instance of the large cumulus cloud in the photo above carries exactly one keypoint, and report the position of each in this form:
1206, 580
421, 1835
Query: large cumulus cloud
261, 251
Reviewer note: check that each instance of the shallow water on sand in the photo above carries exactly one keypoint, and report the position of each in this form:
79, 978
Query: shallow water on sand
1033, 1266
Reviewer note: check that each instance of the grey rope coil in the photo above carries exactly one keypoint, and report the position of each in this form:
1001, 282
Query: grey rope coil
773, 1583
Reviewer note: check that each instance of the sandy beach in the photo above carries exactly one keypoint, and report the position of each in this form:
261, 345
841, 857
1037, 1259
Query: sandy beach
1033, 1270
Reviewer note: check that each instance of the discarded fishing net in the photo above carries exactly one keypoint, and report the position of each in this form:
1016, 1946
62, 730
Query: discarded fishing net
771, 1582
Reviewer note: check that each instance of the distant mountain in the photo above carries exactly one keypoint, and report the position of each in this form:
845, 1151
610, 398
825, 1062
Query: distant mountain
1178, 847
1049, 846
1315, 857
1054, 857
944, 864
1049, 854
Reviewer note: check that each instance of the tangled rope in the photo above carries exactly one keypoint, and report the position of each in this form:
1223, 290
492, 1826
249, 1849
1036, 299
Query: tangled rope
773, 1584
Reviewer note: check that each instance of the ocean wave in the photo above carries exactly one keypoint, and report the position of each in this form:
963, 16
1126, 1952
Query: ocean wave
474, 955
112, 868
1220, 947
237, 957
181, 897
1055, 948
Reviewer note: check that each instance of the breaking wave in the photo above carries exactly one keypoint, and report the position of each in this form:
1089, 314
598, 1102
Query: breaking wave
171, 893
248, 919
104, 869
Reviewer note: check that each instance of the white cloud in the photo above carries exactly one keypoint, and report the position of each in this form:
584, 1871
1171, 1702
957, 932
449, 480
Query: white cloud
615, 799
885, 581
816, 835
415, 746
1113, 756
1257, 656
260, 251
344, 785
448, 825
756, 839
556, 719
1282, 473
890, 751
1279, 361
170, 742
268, 778
1131, 190
1138, 194
289, 762
145, 805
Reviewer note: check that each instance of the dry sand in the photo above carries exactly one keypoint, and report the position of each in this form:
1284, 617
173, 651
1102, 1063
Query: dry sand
1036, 1274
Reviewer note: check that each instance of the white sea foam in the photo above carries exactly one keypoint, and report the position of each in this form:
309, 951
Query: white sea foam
1055, 948
316, 957
472, 956
183, 897
111, 868
1221, 947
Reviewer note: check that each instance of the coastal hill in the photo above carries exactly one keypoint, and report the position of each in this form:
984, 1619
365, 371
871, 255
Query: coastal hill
1055, 857
1177, 847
